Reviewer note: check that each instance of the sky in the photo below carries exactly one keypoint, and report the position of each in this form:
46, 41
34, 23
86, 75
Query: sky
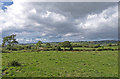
59, 21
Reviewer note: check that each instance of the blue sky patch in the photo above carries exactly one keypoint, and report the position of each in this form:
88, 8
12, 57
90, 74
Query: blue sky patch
5, 3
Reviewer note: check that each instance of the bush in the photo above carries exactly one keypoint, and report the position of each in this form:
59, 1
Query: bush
93, 49
58, 48
76, 45
14, 63
86, 46
100, 49
8, 48
5, 51
71, 48
48, 45
28, 47
110, 44
77, 49
45, 49
53, 48
14, 49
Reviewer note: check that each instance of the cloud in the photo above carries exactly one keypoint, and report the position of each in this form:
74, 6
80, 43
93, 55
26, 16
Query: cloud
53, 16
60, 21
43, 34
103, 25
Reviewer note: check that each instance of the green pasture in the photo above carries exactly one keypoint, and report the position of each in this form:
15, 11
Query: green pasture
61, 64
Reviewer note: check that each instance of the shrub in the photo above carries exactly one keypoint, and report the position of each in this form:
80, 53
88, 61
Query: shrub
8, 47
48, 45
93, 49
45, 49
58, 48
77, 50
71, 48
100, 49
18, 47
14, 49
110, 44
14, 63
38, 50
86, 46
28, 47
112, 49
5, 51
76, 45
53, 48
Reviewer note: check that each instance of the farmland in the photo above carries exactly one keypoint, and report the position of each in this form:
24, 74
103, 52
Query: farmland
59, 59
62, 64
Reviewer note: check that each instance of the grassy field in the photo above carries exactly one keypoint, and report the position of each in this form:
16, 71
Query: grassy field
61, 64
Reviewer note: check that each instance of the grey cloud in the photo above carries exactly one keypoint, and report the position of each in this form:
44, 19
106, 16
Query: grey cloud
56, 31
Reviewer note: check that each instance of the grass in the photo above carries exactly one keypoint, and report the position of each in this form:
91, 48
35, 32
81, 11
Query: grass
61, 64
0, 65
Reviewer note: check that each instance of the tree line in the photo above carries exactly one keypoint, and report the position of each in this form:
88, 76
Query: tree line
10, 43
